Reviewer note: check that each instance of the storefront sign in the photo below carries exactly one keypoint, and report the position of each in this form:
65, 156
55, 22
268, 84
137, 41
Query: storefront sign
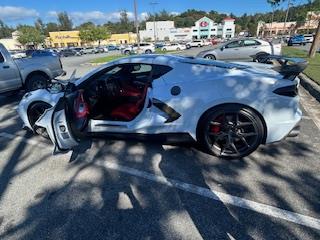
204, 24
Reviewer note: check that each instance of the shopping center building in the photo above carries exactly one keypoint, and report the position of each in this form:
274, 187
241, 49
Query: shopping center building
71, 39
204, 28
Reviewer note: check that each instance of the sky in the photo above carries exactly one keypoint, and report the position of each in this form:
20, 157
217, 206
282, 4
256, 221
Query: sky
14, 12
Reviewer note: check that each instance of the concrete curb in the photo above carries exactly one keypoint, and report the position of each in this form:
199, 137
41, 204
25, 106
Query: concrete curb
310, 86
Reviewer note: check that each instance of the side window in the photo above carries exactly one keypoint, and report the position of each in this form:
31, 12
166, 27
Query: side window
1, 58
234, 44
141, 68
250, 42
160, 70
105, 74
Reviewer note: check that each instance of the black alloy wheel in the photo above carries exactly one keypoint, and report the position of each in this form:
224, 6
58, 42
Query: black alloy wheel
231, 132
36, 81
210, 56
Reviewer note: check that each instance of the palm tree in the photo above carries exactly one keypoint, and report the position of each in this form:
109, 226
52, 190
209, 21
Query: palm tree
274, 4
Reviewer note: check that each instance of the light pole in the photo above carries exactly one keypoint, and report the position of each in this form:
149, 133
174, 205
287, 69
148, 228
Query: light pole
136, 23
153, 4
286, 18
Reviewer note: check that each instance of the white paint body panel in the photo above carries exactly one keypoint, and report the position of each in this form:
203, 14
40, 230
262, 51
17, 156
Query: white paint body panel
203, 85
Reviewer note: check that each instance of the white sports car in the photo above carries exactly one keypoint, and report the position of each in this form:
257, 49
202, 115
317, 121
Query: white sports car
229, 108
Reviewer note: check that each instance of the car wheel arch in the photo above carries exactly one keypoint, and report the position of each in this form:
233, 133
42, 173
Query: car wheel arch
211, 54
204, 113
33, 104
34, 73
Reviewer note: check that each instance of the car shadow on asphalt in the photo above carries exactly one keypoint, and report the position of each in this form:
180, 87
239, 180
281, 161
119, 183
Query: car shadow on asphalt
101, 203
109, 204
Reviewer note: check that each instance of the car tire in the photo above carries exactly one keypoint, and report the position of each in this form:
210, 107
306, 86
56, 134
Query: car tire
259, 57
210, 56
34, 112
36, 81
199, 45
221, 133
178, 49
188, 46
127, 52
148, 51
164, 49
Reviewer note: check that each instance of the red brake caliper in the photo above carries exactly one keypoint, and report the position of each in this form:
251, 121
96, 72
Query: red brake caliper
216, 128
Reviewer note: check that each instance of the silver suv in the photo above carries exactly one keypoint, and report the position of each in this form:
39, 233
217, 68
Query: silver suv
146, 48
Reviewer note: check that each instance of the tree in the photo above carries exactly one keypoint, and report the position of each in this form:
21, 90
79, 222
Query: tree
52, 27
40, 26
29, 35
65, 23
5, 31
101, 33
316, 43
274, 4
90, 33
125, 25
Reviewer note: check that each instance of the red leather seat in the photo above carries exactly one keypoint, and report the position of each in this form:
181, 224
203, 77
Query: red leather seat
128, 111
129, 91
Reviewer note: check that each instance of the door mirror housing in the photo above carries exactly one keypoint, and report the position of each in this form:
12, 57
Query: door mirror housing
222, 48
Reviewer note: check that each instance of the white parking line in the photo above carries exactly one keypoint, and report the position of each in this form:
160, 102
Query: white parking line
204, 192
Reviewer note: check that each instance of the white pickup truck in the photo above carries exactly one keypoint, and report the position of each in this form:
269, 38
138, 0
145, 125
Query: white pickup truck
29, 73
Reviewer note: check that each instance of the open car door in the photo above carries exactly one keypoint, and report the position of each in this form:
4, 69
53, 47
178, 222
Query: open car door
69, 120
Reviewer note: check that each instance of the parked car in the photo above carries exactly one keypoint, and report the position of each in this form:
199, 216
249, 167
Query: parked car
165, 95
215, 41
308, 38
53, 50
43, 53
195, 43
173, 47
68, 52
241, 49
113, 48
159, 45
146, 48
78, 51
29, 73
297, 39
18, 54
88, 50
103, 49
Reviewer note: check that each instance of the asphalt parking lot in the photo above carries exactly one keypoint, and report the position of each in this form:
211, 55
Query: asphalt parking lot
117, 189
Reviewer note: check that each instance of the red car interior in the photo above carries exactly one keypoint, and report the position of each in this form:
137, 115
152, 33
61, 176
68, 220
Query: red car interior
128, 111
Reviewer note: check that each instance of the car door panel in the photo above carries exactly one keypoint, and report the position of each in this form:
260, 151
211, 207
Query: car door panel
66, 136
9, 76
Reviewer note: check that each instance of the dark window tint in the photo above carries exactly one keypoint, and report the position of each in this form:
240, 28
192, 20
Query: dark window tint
160, 70
250, 42
234, 44
1, 58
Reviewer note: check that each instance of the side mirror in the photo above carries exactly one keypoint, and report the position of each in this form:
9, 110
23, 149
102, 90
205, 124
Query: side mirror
222, 48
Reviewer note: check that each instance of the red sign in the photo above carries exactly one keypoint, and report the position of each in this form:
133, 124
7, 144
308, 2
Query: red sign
204, 24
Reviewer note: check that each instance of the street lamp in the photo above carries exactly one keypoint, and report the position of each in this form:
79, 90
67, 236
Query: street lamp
153, 4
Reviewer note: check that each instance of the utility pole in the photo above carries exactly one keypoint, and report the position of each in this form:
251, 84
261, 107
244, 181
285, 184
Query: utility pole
136, 22
316, 42
287, 14
153, 4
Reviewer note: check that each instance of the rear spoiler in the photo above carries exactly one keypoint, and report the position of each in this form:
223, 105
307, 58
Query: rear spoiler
290, 68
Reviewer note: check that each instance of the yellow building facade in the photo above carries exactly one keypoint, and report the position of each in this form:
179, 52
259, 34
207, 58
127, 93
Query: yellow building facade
64, 39
123, 38
71, 39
